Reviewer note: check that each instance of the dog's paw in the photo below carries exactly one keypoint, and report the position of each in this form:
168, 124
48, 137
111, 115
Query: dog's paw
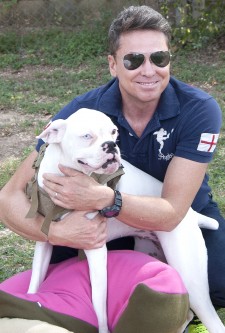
207, 223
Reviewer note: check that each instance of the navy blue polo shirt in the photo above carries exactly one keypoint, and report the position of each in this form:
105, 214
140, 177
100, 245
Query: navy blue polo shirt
186, 123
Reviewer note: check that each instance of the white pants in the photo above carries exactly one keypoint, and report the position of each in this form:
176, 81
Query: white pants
18, 325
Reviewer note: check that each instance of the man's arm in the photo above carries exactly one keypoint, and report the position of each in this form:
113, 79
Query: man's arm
14, 204
74, 231
182, 182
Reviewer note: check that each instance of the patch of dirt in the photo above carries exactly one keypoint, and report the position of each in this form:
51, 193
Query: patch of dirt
17, 132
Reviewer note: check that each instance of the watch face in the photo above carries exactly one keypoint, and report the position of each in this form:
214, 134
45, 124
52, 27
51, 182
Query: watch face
111, 213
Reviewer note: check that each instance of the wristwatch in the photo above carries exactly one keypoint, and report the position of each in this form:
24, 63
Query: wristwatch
113, 210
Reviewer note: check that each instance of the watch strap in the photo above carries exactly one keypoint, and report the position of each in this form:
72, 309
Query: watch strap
114, 210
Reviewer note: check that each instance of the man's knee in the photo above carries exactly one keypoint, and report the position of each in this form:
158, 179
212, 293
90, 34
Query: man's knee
152, 311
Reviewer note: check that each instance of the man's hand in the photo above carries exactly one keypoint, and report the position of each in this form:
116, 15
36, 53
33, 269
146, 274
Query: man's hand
77, 191
77, 231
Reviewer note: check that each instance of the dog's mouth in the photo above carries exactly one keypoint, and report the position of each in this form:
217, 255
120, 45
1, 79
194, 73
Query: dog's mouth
104, 165
81, 162
109, 166
109, 162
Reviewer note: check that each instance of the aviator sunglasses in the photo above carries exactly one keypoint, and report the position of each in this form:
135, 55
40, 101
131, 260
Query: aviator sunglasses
132, 61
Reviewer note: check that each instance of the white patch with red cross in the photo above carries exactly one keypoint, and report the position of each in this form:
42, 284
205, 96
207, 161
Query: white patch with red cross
208, 142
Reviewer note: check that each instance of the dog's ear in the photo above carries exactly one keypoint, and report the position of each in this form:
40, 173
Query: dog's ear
54, 132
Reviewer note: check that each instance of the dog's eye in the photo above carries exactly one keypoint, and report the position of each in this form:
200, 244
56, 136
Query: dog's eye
114, 131
87, 136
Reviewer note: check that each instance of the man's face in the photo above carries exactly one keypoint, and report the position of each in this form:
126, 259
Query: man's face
147, 82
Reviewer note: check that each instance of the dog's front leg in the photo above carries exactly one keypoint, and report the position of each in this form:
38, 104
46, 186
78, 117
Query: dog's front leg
97, 261
41, 260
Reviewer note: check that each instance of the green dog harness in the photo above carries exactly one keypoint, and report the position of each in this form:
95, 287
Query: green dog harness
41, 201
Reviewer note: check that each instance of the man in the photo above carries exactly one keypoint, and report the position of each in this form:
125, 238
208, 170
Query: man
166, 128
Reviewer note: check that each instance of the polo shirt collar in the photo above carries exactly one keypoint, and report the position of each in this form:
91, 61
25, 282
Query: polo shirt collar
111, 102
169, 105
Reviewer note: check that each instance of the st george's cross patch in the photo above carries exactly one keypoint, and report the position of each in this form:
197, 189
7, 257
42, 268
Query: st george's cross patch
208, 142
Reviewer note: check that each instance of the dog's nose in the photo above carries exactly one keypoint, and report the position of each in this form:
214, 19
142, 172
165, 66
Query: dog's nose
109, 147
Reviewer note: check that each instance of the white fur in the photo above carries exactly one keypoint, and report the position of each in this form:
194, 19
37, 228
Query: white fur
80, 137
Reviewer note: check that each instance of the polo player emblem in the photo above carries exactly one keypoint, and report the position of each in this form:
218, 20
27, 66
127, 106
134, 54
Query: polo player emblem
161, 136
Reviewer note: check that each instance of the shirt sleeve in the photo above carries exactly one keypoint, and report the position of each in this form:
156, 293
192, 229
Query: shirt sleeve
199, 130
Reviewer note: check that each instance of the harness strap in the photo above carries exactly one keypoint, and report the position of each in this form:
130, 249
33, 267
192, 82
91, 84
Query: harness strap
49, 210
32, 186
33, 196
111, 180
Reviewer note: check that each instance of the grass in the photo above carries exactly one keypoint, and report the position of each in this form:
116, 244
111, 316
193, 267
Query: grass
52, 47
48, 91
16, 253
43, 70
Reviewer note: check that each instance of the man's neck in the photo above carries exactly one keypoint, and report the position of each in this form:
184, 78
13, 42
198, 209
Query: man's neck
138, 116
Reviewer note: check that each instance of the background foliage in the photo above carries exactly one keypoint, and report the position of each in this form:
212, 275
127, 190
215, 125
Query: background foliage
195, 29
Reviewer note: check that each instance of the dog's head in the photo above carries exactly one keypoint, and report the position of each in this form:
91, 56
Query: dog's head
86, 141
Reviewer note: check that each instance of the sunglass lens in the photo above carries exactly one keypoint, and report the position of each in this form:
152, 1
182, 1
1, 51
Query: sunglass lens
160, 58
133, 61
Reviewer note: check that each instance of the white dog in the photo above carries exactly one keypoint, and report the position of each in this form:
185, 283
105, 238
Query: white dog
86, 142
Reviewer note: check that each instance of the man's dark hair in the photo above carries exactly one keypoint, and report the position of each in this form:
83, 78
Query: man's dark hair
136, 18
